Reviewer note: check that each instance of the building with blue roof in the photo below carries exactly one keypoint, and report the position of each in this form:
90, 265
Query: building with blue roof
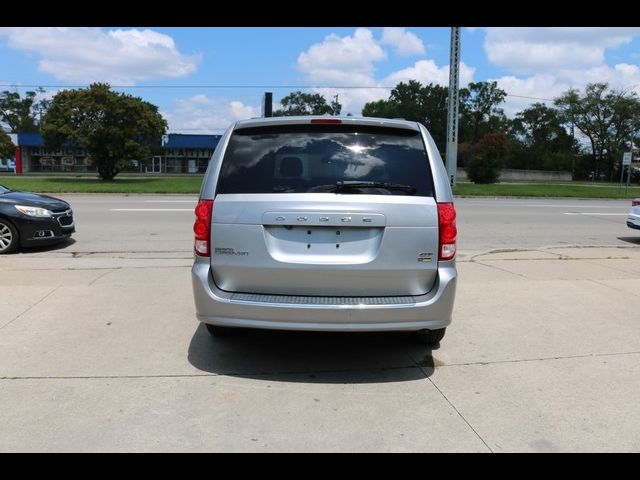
181, 153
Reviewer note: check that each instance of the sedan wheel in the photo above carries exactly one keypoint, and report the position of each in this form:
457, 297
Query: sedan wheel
8, 237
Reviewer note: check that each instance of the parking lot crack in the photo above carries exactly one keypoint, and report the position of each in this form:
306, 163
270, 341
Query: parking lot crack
459, 414
30, 307
101, 276
500, 269
540, 359
610, 287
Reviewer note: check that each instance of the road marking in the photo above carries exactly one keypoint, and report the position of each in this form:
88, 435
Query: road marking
573, 206
540, 205
594, 213
151, 209
171, 201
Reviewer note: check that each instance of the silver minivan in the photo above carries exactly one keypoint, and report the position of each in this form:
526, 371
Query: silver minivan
326, 224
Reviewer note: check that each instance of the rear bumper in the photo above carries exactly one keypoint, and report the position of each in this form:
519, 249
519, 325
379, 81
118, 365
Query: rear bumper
633, 221
429, 311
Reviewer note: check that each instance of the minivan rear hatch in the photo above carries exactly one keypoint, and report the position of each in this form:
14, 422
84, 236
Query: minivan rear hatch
325, 210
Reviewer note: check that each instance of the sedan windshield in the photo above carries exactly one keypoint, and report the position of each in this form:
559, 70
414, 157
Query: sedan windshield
4, 189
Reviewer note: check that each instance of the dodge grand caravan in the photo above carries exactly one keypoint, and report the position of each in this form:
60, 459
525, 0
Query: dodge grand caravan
325, 224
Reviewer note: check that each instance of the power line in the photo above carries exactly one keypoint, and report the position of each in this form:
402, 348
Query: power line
244, 87
531, 98
14, 85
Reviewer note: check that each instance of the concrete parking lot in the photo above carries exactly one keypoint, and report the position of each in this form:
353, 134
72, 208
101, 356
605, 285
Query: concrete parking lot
100, 349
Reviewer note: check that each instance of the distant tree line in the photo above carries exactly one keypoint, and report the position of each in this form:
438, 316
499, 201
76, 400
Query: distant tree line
23, 113
114, 128
583, 132
300, 103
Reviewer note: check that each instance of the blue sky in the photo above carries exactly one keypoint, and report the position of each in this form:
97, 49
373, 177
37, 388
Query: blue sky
526, 62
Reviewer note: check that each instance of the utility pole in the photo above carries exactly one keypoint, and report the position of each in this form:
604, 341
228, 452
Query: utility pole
629, 166
452, 108
573, 155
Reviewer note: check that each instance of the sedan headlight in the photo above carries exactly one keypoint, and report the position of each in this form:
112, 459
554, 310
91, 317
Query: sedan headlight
33, 211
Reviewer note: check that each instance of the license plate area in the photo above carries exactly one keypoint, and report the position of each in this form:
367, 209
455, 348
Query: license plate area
330, 244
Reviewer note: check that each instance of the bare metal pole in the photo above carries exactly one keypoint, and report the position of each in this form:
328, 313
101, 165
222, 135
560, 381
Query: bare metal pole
452, 109
629, 166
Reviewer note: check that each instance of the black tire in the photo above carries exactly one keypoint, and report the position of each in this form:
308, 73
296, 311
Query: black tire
218, 331
9, 237
430, 337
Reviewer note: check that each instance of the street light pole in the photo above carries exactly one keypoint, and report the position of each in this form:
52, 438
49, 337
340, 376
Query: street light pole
452, 108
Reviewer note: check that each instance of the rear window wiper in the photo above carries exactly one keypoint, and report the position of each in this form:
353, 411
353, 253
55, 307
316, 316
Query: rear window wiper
345, 186
283, 189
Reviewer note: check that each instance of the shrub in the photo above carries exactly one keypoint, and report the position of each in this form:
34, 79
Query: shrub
487, 161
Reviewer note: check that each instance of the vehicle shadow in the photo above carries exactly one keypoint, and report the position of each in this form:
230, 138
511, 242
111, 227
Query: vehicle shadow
48, 248
312, 357
633, 240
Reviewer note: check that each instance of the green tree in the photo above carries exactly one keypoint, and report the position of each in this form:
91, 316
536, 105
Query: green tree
299, 103
479, 110
381, 109
114, 128
541, 139
7, 149
22, 114
490, 152
606, 117
412, 101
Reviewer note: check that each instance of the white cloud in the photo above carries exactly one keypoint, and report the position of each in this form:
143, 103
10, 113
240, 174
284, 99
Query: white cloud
343, 60
405, 43
549, 61
201, 114
540, 63
350, 61
536, 88
121, 57
621, 75
546, 87
538, 50
352, 100
426, 71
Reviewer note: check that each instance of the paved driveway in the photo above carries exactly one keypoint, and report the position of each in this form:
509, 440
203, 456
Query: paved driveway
100, 351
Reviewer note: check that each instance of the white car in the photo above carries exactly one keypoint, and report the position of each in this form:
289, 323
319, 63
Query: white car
633, 220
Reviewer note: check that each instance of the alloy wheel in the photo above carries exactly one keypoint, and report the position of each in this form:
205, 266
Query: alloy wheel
5, 237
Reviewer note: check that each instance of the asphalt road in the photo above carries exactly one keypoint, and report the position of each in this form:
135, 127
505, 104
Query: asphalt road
162, 223
100, 349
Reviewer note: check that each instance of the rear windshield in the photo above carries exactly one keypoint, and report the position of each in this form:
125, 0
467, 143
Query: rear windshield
315, 158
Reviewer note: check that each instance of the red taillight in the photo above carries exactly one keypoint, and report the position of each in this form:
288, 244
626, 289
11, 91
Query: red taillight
202, 228
326, 120
635, 203
448, 231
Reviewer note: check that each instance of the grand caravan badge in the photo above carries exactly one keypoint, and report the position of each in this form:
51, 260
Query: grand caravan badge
425, 257
229, 251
